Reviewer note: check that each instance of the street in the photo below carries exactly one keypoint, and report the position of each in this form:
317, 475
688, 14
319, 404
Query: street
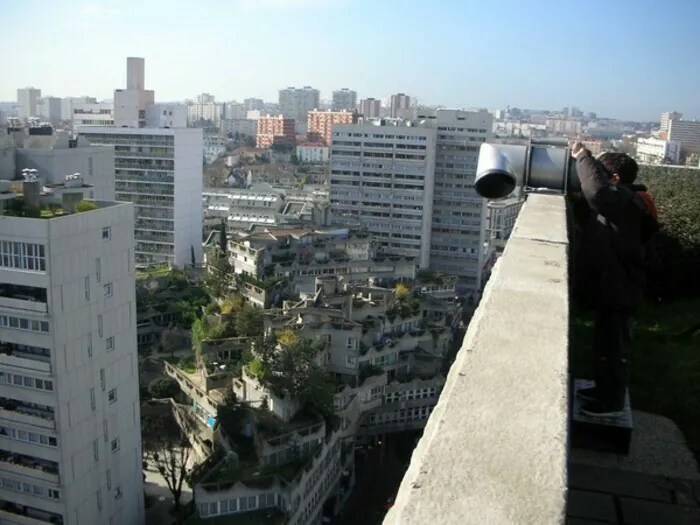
379, 472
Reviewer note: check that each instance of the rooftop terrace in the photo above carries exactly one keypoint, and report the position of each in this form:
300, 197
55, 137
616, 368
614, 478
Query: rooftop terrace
496, 449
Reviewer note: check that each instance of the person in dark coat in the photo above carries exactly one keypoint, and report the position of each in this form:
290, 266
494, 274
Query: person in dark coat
613, 233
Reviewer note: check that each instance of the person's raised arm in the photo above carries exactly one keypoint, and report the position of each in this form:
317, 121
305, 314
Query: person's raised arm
597, 188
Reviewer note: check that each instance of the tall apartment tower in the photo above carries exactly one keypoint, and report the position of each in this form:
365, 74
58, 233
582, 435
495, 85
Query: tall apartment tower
399, 101
275, 130
459, 213
296, 103
370, 107
160, 171
344, 99
49, 109
28, 100
320, 123
70, 437
382, 178
667, 117
130, 104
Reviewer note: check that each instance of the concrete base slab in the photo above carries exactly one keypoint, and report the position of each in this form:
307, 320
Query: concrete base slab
612, 434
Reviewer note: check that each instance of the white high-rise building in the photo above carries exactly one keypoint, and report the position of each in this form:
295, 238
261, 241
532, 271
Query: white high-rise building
160, 171
50, 109
344, 99
92, 114
399, 101
382, 178
667, 117
417, 194
169, 115
70, 437
130, 104
68, 103
459, 213
297, 102
28, 100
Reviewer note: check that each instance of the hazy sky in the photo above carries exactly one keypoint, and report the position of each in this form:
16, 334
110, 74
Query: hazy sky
620, 58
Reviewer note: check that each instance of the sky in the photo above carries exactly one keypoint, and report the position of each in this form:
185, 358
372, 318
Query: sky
627, 59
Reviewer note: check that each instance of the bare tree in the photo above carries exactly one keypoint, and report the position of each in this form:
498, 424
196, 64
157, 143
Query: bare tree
171, 340
167, 446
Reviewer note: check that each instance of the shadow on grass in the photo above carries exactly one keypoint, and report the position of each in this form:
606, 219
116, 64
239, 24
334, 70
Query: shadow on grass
665, 362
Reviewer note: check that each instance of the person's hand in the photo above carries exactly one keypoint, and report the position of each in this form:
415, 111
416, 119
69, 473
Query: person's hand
577, 149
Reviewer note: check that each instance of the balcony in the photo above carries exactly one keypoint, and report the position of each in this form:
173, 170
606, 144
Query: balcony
496, 449
25, 356
28, 466
27, 413
28, 298
16, 514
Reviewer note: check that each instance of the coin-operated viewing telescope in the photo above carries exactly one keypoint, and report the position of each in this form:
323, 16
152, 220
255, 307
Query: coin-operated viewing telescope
541, 164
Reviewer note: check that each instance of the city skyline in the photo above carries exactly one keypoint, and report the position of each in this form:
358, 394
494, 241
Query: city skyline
467, 76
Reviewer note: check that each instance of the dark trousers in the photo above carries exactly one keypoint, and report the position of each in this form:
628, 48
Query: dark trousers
612, 348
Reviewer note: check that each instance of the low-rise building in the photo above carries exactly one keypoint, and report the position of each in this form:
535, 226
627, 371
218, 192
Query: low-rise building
657, 151
265, 452
214, 147
313, 153
302, 255
262, 205
56, 155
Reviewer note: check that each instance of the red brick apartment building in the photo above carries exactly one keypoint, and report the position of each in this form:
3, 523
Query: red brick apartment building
320, 123
275, 130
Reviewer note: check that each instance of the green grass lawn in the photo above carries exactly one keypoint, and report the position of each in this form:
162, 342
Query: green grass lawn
665, 364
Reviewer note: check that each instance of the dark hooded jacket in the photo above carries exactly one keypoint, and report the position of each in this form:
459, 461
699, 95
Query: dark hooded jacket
610, 259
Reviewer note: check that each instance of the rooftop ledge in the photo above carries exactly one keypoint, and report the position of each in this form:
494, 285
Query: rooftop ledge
494, 450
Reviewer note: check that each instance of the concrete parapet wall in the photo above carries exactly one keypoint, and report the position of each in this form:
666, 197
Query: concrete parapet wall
494, 451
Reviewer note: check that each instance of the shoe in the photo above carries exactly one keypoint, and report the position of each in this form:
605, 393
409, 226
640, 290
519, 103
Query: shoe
599, 408
587, 394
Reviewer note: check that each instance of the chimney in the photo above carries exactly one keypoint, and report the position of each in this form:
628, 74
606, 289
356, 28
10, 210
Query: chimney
31, 187
71, 198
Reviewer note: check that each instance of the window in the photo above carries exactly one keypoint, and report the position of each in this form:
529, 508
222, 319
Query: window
115, 445
109, 478
23, 256
118, 493
106, 233
21, 323
108, 290
105, 430
89, 345
109, 344
112, 396
87, 288
92, 399
29, 437
26, 381
99, 499
95, 450
102, 380
99, 325
98, 269
54, 494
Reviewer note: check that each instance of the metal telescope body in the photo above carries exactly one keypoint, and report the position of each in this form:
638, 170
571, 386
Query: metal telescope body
540, 165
